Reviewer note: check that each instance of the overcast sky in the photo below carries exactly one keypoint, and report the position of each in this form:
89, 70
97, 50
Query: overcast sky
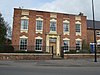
66, 6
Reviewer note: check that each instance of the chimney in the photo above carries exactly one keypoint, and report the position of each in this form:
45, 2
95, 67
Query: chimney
81, 14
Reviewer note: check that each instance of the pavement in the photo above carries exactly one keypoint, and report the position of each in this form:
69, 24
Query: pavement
52, 63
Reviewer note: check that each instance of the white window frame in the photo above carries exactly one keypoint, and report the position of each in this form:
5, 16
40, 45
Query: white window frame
67, 45
78, 23
68, 23
68, 42
80, 45
98, 33
79, 29
65, 27
39, 19
98, 43
38, 38
41, 25
53, 20
22, 25
24, 48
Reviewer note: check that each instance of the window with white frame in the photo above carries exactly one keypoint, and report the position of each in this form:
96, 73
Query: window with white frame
38, 45
39, 24
78, 28
24, 24
78, 45
23, 43
65, 45
98, 44
52, 26
65, 27
98, 33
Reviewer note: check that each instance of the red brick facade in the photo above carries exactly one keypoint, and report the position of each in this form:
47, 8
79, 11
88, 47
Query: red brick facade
31, 34
90, 36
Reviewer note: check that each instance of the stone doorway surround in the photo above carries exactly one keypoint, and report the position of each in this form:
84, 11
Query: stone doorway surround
48, 36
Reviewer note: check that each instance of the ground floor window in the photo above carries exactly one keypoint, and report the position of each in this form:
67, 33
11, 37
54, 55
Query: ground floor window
78, 45
65, 45
23, 44
38, 45
98, 45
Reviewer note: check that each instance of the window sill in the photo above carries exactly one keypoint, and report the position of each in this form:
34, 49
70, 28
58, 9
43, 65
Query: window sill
78, 33
39, 31
98, 35
24, 30
52, 32
66, 33
38, 50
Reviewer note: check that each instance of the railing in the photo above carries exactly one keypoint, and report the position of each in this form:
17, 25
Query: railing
44, 49
32, 49
39, 49
67, 49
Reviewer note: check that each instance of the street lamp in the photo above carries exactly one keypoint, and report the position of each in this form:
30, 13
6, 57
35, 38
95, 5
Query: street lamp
94, 31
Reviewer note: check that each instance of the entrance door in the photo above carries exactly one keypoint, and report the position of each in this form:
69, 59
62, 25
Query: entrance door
54, 47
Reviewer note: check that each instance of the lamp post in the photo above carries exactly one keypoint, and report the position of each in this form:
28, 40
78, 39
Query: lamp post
94, 31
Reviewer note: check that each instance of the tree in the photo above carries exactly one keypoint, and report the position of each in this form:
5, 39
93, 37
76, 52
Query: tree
84, 44
85, 47
3, 30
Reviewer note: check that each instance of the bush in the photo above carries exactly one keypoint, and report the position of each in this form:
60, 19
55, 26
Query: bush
23, 51
84, 51
6, 49
71, 52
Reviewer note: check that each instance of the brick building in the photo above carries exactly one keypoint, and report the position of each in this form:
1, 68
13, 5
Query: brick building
90, 32
35, 30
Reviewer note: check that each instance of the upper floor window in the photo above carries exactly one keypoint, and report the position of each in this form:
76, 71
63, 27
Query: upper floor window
52, 26
23, 44
98, 44
98, 33
78, 28
65, 27
24, 23
39, 25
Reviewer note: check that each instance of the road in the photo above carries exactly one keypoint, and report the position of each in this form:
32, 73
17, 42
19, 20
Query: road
47, 68
50, 71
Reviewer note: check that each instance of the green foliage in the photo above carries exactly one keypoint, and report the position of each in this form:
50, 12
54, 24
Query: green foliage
21, 51
6, 49
3, 30
84, 45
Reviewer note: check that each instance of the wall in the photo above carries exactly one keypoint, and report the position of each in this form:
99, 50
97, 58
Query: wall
24, 56
31, 56
46, 27
79, 56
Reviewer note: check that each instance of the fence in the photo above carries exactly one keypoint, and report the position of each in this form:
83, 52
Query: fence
44, 49
36, 49
72, 50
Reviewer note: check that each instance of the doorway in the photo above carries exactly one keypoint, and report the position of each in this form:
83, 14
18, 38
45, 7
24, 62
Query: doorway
52, 42
54, 47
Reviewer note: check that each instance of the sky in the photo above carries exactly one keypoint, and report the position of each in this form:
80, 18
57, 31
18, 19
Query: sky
63, 6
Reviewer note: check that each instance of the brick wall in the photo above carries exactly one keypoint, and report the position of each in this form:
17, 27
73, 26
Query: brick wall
46, 27
79, 56
16, 28
24, 56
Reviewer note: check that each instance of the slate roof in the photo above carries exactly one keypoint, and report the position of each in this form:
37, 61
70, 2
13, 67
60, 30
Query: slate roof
90, 24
